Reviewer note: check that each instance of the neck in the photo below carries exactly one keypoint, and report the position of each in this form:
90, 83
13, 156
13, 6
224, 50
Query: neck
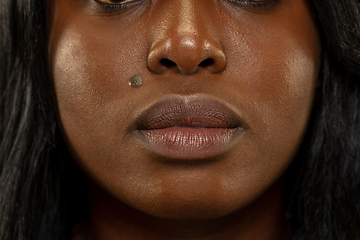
112, 220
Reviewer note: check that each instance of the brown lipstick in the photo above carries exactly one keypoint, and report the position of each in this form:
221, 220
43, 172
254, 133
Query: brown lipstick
189, 128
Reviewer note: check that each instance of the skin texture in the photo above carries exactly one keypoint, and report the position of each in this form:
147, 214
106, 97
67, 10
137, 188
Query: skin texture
264, 65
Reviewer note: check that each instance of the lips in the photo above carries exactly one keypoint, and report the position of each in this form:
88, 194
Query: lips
189, 128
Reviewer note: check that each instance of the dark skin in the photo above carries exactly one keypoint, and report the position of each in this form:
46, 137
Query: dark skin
263, 64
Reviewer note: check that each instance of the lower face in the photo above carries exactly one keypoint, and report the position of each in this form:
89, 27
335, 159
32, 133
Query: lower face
261, 75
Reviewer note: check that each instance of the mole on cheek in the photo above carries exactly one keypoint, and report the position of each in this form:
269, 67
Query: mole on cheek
136, 81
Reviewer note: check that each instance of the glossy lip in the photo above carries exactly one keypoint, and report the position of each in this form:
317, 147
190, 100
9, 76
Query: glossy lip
189, 128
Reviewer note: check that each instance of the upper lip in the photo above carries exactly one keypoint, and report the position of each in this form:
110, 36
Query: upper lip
190, 111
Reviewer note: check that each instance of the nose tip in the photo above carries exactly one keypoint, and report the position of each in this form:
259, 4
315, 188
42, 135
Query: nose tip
186, 56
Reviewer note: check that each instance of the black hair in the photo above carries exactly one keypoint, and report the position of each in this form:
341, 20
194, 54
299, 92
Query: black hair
42, 191
324, 181
37, 178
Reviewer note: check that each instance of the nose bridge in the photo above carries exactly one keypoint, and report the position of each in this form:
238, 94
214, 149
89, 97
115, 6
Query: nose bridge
182, 20
187, 25
183, 38
187, 33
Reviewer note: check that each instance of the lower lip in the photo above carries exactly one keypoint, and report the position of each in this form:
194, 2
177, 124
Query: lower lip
189, 143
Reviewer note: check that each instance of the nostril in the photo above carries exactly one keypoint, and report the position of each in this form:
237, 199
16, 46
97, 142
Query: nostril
207, 62
167, 63
187, 66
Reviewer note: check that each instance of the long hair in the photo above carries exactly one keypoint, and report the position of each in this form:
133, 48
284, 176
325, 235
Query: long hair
324, 196
40, 195
36, 176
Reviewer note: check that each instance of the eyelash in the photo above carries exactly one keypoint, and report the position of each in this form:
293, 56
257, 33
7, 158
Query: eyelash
248, 4
253, 4
110, 8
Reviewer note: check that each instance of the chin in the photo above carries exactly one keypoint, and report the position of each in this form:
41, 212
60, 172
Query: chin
189, 210
192, 204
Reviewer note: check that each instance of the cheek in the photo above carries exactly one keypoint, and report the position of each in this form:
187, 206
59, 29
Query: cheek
91, 72
285, 90
275, 66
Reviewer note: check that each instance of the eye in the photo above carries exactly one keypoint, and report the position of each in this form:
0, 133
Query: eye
116, 6
254, 4
114, 2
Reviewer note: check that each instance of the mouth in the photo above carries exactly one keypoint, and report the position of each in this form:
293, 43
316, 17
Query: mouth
189, 128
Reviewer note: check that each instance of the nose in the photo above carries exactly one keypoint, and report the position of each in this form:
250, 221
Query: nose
184, 41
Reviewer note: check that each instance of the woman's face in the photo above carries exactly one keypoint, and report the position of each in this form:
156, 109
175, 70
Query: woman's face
227, 91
